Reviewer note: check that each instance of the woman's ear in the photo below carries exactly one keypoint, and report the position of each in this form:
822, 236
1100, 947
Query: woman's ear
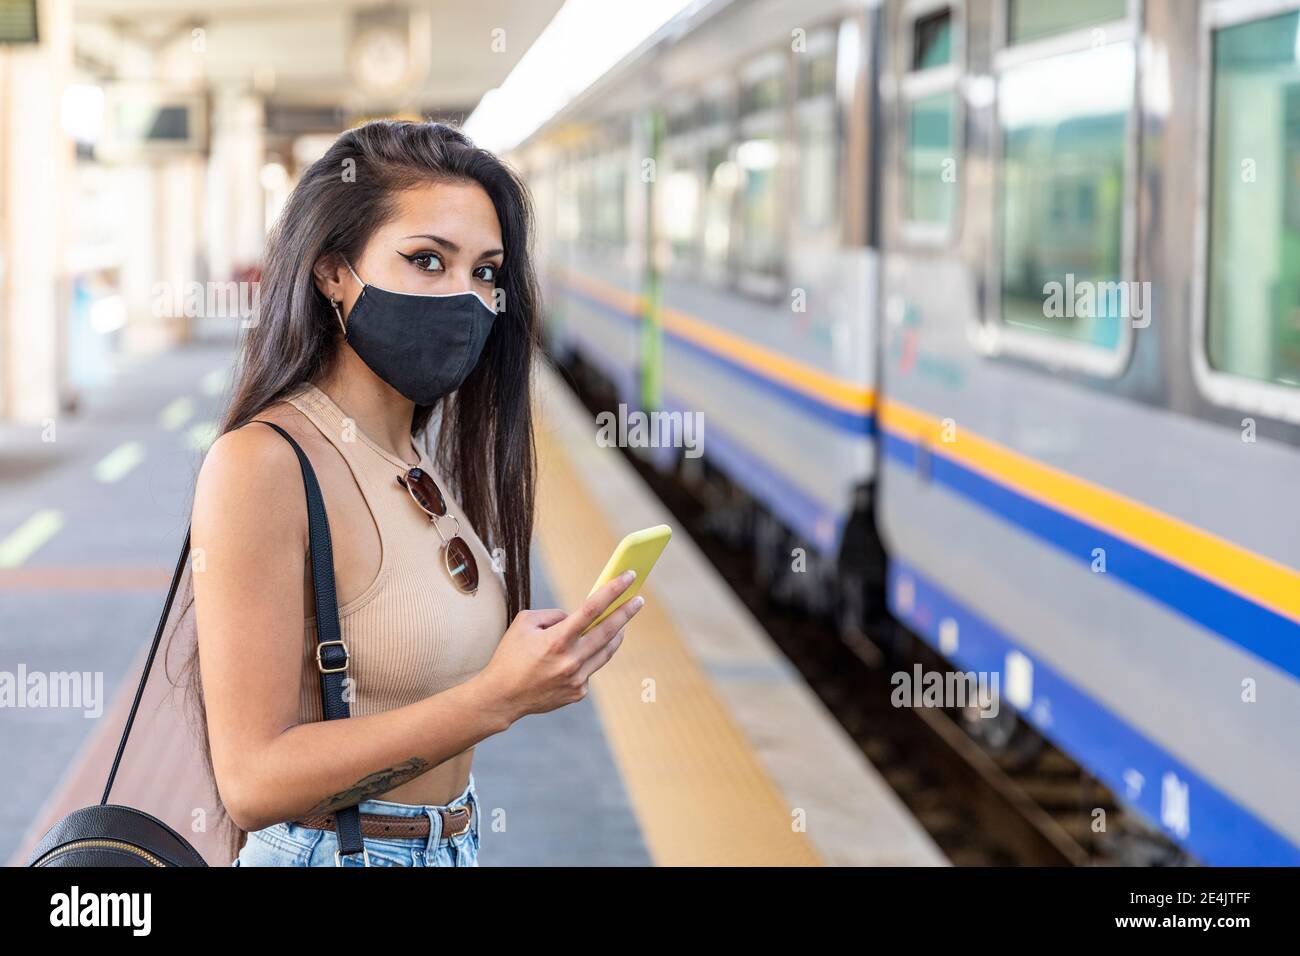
328, 273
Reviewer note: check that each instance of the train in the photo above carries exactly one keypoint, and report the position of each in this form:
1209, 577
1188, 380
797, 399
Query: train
991, 312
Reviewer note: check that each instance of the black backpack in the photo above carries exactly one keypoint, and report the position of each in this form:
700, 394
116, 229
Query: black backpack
112, 835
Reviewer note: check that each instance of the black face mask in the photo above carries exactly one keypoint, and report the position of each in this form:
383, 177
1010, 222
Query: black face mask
424, 346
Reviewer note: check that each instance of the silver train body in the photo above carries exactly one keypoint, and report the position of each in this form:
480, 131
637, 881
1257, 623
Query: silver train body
859, 239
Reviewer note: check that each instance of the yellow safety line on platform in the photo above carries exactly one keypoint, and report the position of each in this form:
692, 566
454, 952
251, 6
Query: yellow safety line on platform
697, 788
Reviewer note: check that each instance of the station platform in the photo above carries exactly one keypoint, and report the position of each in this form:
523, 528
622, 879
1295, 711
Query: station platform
699, 744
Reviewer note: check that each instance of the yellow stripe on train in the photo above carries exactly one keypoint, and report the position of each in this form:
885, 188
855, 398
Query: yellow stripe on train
1244, 572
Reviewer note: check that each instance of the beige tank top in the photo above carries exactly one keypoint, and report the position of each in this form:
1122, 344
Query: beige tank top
412, 633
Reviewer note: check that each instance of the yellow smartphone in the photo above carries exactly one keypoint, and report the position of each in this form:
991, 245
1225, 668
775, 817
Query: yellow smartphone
638, 551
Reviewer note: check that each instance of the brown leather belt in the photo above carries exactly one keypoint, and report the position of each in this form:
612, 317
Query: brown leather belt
455, 821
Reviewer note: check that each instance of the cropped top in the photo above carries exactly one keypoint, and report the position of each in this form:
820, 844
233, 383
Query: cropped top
412, 633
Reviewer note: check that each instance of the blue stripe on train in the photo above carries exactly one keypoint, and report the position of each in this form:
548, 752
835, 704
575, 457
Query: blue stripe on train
808, 517
813, 520
1257, 629
855, 423
1218, 829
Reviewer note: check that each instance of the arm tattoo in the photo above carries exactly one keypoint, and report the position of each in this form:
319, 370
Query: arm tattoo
371, 784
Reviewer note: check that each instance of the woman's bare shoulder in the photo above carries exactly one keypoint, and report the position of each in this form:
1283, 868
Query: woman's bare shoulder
251, 479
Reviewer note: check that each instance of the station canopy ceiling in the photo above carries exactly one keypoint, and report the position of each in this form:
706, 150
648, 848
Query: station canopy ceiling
425, 57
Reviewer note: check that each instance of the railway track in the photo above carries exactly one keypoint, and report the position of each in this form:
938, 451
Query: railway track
989, 792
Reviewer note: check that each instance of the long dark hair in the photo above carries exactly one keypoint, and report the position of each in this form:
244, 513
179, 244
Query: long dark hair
485, 436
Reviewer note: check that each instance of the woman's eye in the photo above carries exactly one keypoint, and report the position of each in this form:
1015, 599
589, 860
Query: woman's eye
427, 261
488, 272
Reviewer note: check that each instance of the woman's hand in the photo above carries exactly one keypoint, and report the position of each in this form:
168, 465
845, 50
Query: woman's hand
544, 660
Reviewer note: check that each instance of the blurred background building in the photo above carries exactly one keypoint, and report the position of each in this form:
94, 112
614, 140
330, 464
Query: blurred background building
145, 146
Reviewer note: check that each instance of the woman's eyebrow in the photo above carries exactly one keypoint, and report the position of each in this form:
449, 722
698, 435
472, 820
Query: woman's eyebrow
451, 245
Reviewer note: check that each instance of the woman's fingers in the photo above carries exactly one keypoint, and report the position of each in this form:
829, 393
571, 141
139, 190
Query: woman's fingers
547, 617
600, 635
602, 656
595, 605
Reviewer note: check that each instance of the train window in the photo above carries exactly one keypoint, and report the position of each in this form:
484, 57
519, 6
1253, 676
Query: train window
932, 122
698, 197
677, 199
758, 246
608, 192
815, 66
679, 207
679, 118
720, 180
1035, 19
1253, 298
712, 111
567, 217
932, 40
761, 94
1061, 284
816, 133
1062, 203
584, 186
931, 172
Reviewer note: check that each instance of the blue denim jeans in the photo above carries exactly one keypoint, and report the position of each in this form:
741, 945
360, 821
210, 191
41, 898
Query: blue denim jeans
286, 844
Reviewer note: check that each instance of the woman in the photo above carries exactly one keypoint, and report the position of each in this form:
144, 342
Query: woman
397, 303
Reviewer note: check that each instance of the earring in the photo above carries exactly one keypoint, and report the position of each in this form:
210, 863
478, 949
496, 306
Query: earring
334, 304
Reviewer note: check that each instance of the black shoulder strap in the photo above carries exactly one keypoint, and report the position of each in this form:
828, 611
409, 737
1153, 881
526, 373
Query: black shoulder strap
148, 664
331, 652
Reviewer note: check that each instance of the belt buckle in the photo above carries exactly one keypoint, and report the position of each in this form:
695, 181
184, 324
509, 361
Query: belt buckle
468, 817
320, 665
